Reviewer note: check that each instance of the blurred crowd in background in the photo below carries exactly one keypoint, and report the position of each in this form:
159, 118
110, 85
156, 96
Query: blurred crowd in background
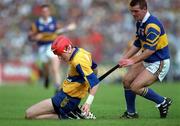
104, 27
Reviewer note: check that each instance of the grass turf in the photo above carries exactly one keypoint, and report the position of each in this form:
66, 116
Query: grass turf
109, 103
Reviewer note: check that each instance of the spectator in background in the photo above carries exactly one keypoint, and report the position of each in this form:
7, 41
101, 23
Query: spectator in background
43, 32
16, 16
94, 39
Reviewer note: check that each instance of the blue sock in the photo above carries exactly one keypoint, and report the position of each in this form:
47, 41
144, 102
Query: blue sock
153, 96
130, 100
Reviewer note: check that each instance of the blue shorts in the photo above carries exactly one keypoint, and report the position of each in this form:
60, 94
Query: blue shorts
64, 103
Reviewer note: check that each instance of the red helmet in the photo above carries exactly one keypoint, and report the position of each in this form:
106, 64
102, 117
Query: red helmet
60, 44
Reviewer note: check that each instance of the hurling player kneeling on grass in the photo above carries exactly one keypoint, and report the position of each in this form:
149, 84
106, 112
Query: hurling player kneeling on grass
81, 79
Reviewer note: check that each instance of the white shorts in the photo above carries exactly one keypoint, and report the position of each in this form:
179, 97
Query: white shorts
45, 53
159, 68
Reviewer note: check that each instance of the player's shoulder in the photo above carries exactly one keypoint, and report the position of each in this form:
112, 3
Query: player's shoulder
81, 56
83, 51
53, 19
153, 20
37, 21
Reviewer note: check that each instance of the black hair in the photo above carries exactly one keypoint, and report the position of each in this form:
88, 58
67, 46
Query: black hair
141, 3
45, 6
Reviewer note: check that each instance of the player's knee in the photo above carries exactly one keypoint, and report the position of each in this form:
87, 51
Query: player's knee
29, 114
135, 88
126, 82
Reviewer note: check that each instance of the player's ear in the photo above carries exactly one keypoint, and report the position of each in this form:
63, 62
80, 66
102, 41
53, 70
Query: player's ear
68, 49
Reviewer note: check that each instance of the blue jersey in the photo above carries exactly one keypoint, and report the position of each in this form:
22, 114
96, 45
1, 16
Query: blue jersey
81, 76
150, 34
46, 28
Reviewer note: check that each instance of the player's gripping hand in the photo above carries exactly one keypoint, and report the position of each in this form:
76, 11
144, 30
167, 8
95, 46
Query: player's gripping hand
85, 108
38, 36
126, 62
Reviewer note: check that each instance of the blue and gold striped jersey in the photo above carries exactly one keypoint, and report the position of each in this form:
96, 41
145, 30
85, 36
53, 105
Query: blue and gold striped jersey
150, 34
80, 76
47, 29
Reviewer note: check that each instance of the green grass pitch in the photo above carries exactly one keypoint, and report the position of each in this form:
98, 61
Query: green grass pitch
109, 103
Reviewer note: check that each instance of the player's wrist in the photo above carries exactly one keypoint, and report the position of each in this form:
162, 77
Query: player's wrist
90, 99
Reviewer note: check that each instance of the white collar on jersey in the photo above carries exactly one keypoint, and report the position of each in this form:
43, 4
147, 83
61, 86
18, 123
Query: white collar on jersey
146, 17
49, 19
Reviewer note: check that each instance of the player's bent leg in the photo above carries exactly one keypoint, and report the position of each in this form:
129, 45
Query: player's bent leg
42, 108
46, 75
143, 79
47, 116
152, 73
130, 96
43, 57
140, 87
132, 73
55, 65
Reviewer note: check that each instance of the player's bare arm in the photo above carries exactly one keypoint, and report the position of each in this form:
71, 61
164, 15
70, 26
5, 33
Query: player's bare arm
86, 107
34, 36
146, 53
132, 51
136, 58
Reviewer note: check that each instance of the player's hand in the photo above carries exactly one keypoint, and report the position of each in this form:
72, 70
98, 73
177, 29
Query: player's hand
85, 108
38, 36
126, 62
71, 26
